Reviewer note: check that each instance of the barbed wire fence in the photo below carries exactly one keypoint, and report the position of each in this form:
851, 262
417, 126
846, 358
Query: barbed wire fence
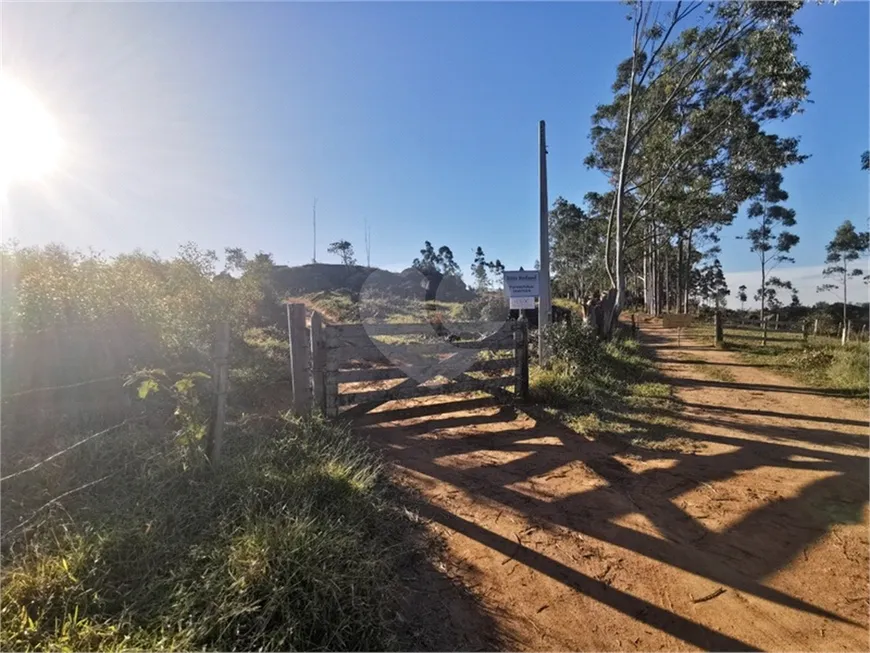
22, 412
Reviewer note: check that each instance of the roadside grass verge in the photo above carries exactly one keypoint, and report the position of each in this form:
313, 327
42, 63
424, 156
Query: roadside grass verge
820, 362
609, 390
293, 544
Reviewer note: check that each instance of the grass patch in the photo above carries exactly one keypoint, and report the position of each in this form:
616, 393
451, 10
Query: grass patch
293, 545
651, 390
607, 390
821, 361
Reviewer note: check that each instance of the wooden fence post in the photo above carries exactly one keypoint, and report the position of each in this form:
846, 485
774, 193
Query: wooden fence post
521, 360
222, 353
330, 373
776, 323
816, 327
863, 332
718, 337
299, 347
318, 362
805, 330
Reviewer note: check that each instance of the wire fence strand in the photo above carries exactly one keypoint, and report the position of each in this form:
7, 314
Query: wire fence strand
70, 448
54, 501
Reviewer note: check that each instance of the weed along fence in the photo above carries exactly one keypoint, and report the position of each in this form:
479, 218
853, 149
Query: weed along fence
340, 365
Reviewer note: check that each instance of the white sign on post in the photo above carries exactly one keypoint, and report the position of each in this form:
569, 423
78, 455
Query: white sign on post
522, 284
522, 302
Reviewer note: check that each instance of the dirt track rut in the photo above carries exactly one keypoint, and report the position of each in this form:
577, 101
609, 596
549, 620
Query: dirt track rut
752, 533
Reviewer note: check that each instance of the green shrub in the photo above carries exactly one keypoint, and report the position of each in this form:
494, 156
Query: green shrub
584, 371
575, 344
488, 307
833, 365
849, 368
83, 322
180, 299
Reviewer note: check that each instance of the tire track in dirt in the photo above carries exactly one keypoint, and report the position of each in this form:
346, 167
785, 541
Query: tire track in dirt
581, 544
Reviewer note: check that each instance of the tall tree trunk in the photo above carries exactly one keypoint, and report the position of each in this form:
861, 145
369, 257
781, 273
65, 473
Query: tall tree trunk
647, 295
688, 273
761, 315
667, 279
655, 273
619, 264
679, 292
845, 301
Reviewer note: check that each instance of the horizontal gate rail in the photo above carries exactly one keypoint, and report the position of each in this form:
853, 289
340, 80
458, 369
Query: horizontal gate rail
400, 372
461, 329
467, 385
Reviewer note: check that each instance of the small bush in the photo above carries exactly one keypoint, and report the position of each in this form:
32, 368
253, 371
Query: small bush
488, 307
575, 344
585, 371
849, 368
809, 359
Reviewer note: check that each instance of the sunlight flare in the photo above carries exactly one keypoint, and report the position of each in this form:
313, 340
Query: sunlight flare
30, 144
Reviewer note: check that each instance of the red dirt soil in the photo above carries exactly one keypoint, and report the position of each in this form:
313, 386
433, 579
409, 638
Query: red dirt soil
750, 533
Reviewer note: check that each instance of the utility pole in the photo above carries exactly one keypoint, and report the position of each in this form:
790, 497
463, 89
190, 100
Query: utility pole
544, 300
314, 220
368, 245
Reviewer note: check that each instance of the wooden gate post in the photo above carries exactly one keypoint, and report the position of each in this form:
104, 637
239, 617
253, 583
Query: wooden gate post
299, 348
521, 360
222, 352
318, 362
330, 373
718, 337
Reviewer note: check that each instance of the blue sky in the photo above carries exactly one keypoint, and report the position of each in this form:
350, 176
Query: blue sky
220, 123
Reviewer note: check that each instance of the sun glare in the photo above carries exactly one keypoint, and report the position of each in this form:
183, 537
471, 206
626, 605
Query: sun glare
29, 140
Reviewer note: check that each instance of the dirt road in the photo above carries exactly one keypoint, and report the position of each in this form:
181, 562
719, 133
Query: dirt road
750, 532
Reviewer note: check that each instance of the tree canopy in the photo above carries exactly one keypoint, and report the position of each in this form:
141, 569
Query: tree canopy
344, 250
684, 141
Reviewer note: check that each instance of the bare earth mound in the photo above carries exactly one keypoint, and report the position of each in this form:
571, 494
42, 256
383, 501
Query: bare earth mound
751, 534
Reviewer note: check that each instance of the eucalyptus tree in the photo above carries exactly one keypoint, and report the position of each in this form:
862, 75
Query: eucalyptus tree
770, 240
577, 248
685, 122
846, 247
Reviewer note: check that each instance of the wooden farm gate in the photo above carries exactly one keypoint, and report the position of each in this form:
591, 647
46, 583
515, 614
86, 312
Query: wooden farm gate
356, 364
